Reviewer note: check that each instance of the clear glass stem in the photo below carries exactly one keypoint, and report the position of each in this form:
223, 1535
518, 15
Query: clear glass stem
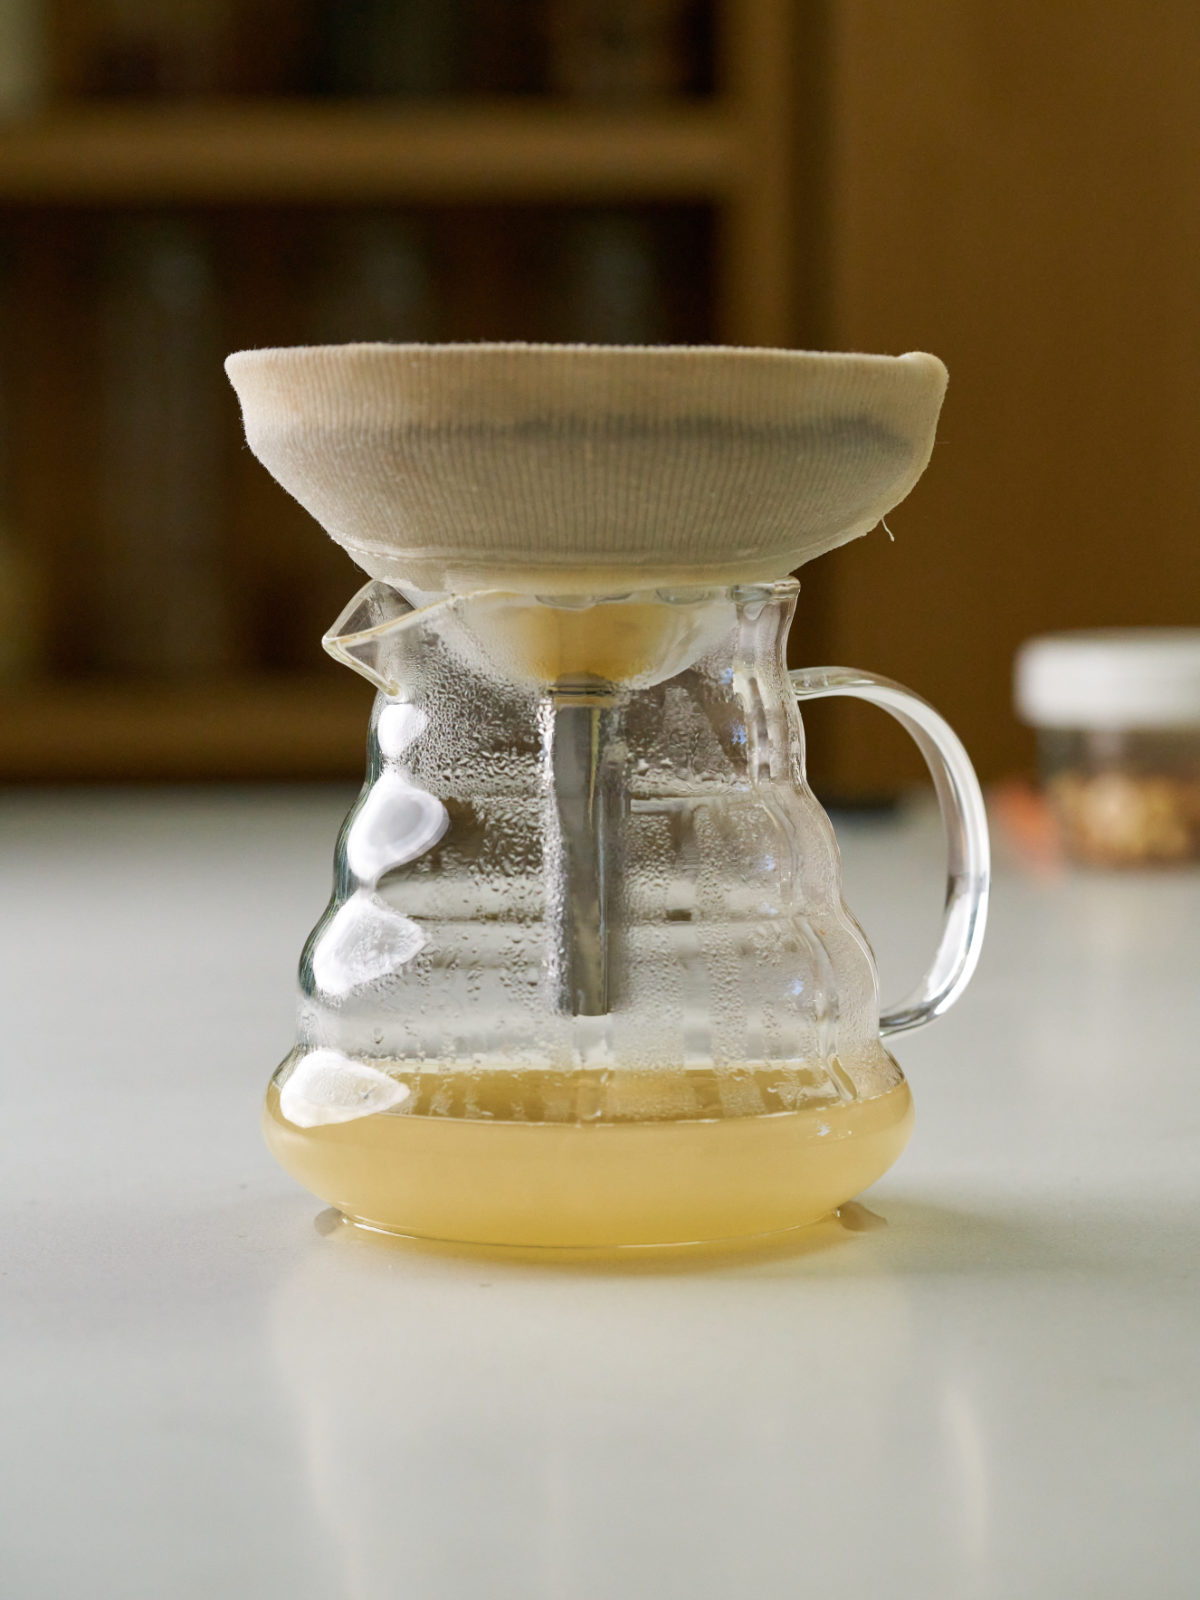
584, 761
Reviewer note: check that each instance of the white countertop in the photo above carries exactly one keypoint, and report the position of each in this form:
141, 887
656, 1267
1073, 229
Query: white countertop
209, 1391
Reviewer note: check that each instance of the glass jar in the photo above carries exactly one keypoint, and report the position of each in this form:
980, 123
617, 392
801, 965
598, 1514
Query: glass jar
1117, 713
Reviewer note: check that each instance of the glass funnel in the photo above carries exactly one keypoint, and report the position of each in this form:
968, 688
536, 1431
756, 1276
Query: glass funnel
586, 977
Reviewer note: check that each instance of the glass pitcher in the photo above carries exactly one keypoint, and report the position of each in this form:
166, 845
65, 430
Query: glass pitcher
586, 978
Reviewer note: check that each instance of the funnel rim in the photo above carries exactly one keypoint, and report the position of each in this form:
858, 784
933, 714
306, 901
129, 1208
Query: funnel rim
542, 348
751, 593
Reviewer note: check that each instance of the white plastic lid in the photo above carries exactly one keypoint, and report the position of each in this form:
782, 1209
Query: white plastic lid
1111, 678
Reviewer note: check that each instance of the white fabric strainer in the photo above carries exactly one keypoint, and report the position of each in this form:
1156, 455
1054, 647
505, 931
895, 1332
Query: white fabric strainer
580, 468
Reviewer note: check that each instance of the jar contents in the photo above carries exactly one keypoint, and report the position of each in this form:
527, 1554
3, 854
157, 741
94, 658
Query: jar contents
456, 1157
1116, 818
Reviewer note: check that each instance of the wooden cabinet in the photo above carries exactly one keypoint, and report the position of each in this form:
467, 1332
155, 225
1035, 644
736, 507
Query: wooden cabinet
1015, 187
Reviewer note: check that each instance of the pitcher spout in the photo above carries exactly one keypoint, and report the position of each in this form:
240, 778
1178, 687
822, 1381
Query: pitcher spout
364, 637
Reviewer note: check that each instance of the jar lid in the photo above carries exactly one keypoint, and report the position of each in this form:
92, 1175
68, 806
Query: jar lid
1110, 678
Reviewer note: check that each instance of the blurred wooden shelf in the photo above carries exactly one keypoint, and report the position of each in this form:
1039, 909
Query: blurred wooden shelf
732, 156
304, 152
264, 727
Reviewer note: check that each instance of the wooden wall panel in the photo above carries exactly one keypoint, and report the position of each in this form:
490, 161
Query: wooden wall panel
1016, 187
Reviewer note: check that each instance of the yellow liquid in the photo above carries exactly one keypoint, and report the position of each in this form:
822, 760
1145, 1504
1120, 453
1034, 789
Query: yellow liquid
488, 1179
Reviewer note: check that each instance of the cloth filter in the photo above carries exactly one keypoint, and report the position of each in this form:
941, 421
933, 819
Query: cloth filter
574, 469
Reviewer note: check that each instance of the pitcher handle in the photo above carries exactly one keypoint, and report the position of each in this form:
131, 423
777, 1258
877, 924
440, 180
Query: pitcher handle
965, 821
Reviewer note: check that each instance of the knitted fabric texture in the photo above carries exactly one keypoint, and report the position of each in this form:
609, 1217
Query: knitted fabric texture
577, 468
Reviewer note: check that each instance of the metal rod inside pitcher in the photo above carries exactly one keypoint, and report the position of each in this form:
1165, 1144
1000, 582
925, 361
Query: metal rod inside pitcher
585, 805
